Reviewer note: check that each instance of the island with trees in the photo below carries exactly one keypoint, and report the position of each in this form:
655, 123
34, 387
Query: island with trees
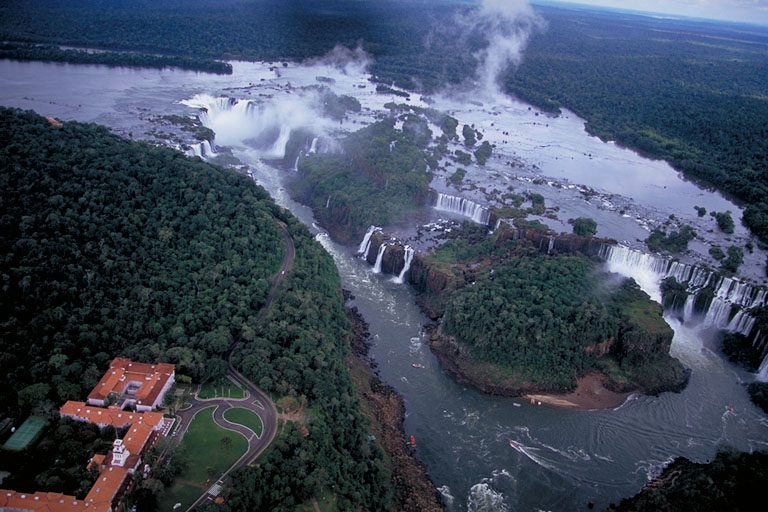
515, 320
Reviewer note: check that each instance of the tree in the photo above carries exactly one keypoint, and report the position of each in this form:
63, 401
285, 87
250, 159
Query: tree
584, 226
226, 443
33, 395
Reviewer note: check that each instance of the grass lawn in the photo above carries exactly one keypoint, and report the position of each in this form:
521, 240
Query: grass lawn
179, 493
204, 452
225, 389
244, 417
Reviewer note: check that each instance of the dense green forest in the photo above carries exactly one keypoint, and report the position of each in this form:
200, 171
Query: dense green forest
112, 247
733, 481
380, 178
55, 54
551, 319
693, 93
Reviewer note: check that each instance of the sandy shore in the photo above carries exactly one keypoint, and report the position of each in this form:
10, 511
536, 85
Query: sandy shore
589, 394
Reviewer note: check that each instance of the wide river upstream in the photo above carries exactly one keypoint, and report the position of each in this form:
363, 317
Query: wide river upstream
566, 458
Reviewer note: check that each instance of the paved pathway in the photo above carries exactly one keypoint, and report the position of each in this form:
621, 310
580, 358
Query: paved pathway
267, 413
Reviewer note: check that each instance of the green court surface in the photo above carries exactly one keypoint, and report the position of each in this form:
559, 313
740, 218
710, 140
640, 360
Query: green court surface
26, 434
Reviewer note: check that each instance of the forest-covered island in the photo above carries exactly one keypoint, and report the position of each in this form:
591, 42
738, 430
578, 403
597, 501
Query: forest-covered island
514, 320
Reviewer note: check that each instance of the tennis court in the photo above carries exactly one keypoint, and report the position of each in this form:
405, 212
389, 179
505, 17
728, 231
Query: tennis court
26, 434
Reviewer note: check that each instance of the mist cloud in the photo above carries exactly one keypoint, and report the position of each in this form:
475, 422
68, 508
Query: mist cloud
506, 26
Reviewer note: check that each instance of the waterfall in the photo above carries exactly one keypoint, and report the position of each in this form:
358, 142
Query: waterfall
366, 243
205, 149
762, 373
296, 163
732, 301
379, 257
328, 202
263, 125
551, 245
464, 207
407, 259
688, 310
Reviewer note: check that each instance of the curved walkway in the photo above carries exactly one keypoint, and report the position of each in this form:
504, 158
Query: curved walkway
266, 411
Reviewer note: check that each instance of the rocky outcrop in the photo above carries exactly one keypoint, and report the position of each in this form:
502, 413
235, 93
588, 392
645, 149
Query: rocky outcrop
554, 244
393, 259
415, 491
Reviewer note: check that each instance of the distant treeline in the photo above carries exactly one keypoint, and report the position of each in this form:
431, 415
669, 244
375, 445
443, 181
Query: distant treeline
132, 59
693, 93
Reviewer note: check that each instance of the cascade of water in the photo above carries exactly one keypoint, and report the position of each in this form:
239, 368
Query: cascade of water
729, 293
205, 149
407, 259
688, 310
379, 257
296, 163
762, 373
366, 243
328, 202
461, 206
313, 146
551, 244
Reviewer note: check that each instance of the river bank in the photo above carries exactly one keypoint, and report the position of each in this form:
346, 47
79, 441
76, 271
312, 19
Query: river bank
590, 392
385, 408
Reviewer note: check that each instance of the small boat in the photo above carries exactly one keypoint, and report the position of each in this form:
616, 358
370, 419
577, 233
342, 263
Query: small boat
417, 365
516, 446
412, 442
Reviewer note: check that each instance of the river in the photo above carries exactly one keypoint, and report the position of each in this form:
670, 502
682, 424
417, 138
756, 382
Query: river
567, 458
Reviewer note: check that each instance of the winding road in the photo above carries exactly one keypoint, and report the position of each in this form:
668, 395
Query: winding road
255, 399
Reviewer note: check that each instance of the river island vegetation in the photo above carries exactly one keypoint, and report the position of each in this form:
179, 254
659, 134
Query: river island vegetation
117, 248
542, 321
381, 177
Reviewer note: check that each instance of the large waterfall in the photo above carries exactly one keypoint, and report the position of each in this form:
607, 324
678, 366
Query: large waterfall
204, 149
262, 125
365, 245
730, 307
461, 206
379, 258
407, 259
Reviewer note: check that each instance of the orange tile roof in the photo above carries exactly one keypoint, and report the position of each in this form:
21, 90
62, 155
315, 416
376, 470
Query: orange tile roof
109, 416
137, 437
106, 487
151, 378
48, 502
